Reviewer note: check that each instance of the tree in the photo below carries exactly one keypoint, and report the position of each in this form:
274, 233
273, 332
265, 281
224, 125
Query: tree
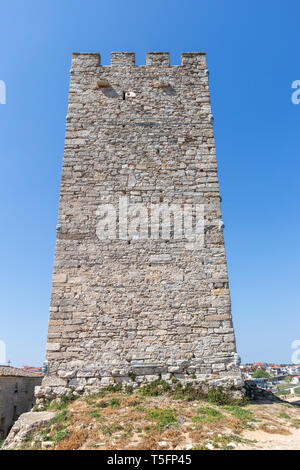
261, 374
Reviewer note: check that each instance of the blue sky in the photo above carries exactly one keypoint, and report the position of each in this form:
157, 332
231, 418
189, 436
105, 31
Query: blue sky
253, 56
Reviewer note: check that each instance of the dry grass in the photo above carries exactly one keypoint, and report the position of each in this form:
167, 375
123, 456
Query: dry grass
73, 441
116, 420
275, 430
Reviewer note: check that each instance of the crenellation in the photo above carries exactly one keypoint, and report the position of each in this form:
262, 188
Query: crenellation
197, 59
122, 59
85, 60
157, 59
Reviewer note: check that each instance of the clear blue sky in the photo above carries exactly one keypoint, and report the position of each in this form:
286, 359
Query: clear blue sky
253, 57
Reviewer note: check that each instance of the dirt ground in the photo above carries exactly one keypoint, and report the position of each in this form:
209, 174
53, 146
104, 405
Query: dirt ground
266, 441
117, 421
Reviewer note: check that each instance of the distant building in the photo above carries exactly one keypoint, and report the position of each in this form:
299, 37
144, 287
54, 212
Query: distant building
260, 365
37, 370
274, 370
16, 395
296, 380
294, 370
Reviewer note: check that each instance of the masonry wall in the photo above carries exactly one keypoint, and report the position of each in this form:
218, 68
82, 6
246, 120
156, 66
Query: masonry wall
16, 397
148, 307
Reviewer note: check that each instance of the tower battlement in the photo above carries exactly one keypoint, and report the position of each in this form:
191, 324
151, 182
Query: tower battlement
140, 282
84, 61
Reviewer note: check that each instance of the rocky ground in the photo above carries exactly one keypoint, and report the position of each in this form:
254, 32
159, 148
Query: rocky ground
154, 418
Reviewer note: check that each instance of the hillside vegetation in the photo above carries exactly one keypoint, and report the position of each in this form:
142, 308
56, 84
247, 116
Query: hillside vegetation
156, 417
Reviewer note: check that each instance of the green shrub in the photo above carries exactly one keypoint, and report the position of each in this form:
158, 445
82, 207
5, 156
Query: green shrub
284, 415
59, 404
60, 436
240, 413
113, 388
199, 447
154, 389
61, 417
132, 376
207, 415
109, 430
28, 438
114, 403
261, 374
222, 397
214, 395
163, 418
94, 414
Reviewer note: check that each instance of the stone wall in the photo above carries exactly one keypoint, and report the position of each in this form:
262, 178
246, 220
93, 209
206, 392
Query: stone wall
16, 397
130, 307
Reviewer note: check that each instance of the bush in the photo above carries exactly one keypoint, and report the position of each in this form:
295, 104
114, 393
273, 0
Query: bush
114, 403
154, 389
163, 418
61, 417
217, 396
132, 376
207, 415
59, 404
60, 436
94, 414
261, 374
240, 413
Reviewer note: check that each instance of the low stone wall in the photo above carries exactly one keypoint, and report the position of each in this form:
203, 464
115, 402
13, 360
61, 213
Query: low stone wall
54, 387
16, 397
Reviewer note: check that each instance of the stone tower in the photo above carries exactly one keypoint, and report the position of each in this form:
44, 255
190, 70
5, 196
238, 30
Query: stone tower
140, 284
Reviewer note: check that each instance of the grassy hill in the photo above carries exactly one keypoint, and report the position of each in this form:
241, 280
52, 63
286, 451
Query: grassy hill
156, 417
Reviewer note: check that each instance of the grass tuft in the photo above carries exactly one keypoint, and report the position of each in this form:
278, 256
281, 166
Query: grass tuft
207, 415
240, 413
61, 417
114, 403
284, 415
164, 418
60, 435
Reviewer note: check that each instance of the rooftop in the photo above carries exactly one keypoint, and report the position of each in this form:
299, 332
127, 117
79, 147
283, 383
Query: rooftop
10, 371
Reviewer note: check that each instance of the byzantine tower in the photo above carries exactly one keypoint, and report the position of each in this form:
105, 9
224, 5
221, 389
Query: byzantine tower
134, 296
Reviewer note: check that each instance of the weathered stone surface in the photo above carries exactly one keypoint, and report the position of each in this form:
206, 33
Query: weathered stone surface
141, 302
16, 395
25, 425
